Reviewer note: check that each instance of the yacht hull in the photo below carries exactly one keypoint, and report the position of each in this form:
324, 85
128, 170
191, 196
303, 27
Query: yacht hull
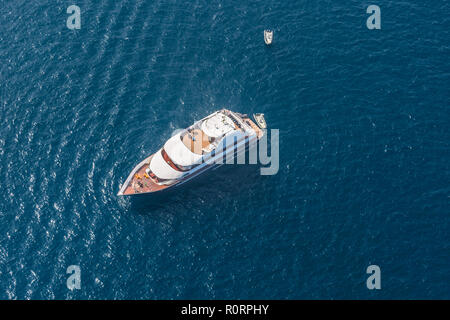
141, 181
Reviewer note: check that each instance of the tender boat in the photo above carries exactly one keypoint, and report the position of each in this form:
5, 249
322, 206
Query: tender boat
268, 36
209, 142
259, 118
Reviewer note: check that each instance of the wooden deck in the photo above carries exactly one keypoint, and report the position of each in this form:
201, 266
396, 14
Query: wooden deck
201, 141
142, 183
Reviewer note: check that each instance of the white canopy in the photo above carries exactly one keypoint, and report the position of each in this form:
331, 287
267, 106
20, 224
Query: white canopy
163, 170
179, 153
217, 125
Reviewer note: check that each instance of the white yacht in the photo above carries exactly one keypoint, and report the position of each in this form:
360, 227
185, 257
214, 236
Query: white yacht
268, 36
205, 144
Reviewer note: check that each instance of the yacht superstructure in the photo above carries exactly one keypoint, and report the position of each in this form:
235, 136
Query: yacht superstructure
193, 151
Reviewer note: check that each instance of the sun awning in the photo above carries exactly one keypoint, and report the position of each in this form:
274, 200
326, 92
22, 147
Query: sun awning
179, 153
162, 169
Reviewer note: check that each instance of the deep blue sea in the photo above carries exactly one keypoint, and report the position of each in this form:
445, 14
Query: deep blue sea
364, 177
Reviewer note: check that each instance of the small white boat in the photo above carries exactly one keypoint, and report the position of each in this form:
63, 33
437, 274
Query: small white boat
268, 36
260, 121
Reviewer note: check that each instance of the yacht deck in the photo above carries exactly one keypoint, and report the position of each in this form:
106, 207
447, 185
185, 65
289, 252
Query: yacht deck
142, 183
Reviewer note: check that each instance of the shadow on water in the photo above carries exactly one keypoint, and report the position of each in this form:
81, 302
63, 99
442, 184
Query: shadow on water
228, 181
